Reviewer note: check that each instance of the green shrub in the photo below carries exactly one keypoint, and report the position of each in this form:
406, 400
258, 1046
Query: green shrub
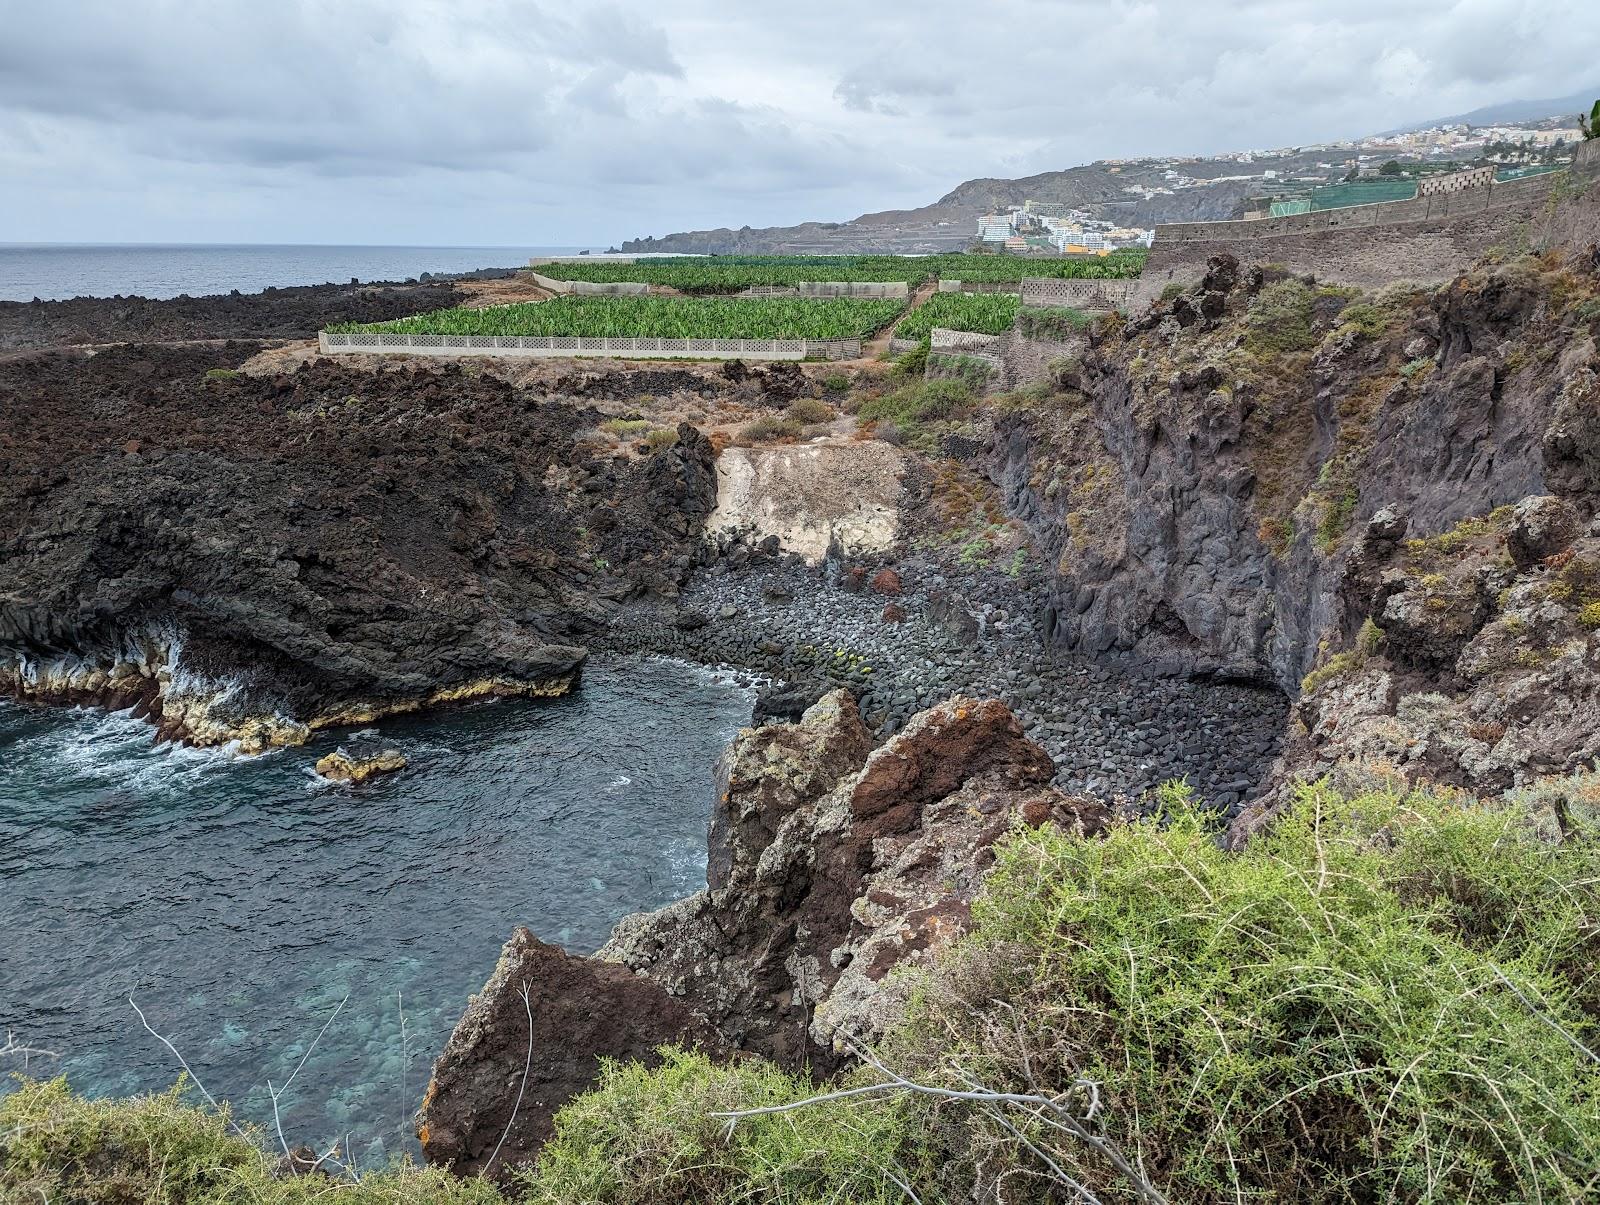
807, 410
1325, 1016
626, 428
1172, 291
659, 439
915, 362
920, 402
1589, 616
770, 427
1363, 319
913, 406
1052, 322
1279, 318
836, 382
157, 1150
647, 1138
222, 374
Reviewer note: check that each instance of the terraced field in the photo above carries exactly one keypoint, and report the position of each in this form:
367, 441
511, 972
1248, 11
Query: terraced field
654, 318
981, 313
725, 274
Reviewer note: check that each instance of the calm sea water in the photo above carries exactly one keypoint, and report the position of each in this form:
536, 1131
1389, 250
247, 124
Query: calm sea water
54, 272
238, 900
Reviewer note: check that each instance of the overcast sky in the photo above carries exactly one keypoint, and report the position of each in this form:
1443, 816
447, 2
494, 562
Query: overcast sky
515, 122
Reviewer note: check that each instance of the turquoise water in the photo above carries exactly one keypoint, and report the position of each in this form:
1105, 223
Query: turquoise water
238, 900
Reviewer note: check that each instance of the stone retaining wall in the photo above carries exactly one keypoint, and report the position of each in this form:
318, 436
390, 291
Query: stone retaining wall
943, 339
589, 288
893, 289
1433, 207
553, 346
980, 286
1426, 241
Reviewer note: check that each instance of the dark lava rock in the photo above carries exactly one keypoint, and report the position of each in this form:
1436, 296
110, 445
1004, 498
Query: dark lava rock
296, 313
342, 534
786, 701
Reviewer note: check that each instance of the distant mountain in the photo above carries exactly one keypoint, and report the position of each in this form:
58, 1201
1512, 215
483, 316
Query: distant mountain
1114, 191
949, 223
1516, 110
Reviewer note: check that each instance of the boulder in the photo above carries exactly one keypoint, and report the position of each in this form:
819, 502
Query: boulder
1541, 526
886, 581
360, 758
577, 1010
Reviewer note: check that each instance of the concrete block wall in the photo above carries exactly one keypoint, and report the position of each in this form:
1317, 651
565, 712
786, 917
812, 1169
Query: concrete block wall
589, 288
1078, 294
1477, 177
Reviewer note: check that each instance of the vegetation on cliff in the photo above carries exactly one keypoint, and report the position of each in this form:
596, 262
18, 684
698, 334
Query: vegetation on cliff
160, 1150
1391, 993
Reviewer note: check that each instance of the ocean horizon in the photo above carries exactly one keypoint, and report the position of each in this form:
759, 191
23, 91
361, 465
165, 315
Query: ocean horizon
61, 271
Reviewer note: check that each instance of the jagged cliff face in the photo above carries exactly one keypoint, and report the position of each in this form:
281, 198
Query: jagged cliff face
249, 559
831, 864
1199, 479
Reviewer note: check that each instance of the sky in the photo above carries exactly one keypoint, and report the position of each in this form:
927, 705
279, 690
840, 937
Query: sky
522, 122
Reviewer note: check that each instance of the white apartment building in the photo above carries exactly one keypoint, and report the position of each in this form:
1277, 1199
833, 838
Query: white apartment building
996, 227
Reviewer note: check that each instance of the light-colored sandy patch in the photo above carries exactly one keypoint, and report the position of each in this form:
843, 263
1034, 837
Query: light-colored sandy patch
811, 495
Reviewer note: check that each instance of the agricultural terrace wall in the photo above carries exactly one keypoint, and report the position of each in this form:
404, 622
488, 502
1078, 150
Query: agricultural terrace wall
1078, 294
894, 289
1428, 240
589, 288
979, 286
1447, 182
1016, 359
1029, 360
558, 346
953, 363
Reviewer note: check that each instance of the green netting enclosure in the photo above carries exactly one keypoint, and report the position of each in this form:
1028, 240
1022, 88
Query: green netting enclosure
1284, 209
1363, 192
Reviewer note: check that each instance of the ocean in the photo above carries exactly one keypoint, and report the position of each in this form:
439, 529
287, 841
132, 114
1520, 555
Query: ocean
239, 900
57, 271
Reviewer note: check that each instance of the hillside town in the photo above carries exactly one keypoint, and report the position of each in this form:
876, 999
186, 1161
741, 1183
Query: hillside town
1327, 175
1052, 226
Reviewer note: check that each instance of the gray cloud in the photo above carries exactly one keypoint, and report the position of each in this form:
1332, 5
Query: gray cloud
540, 122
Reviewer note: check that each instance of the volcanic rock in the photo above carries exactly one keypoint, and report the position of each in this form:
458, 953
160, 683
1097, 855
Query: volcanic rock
555, 1016
359, 759
830, 864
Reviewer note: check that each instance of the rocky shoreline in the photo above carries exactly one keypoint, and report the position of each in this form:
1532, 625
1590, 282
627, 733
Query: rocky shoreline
1110, 731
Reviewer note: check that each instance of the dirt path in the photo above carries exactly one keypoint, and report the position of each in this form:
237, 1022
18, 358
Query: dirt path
879, 343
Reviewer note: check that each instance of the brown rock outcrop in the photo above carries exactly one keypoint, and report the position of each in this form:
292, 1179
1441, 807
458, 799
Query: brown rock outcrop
578, 1010
831, 865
